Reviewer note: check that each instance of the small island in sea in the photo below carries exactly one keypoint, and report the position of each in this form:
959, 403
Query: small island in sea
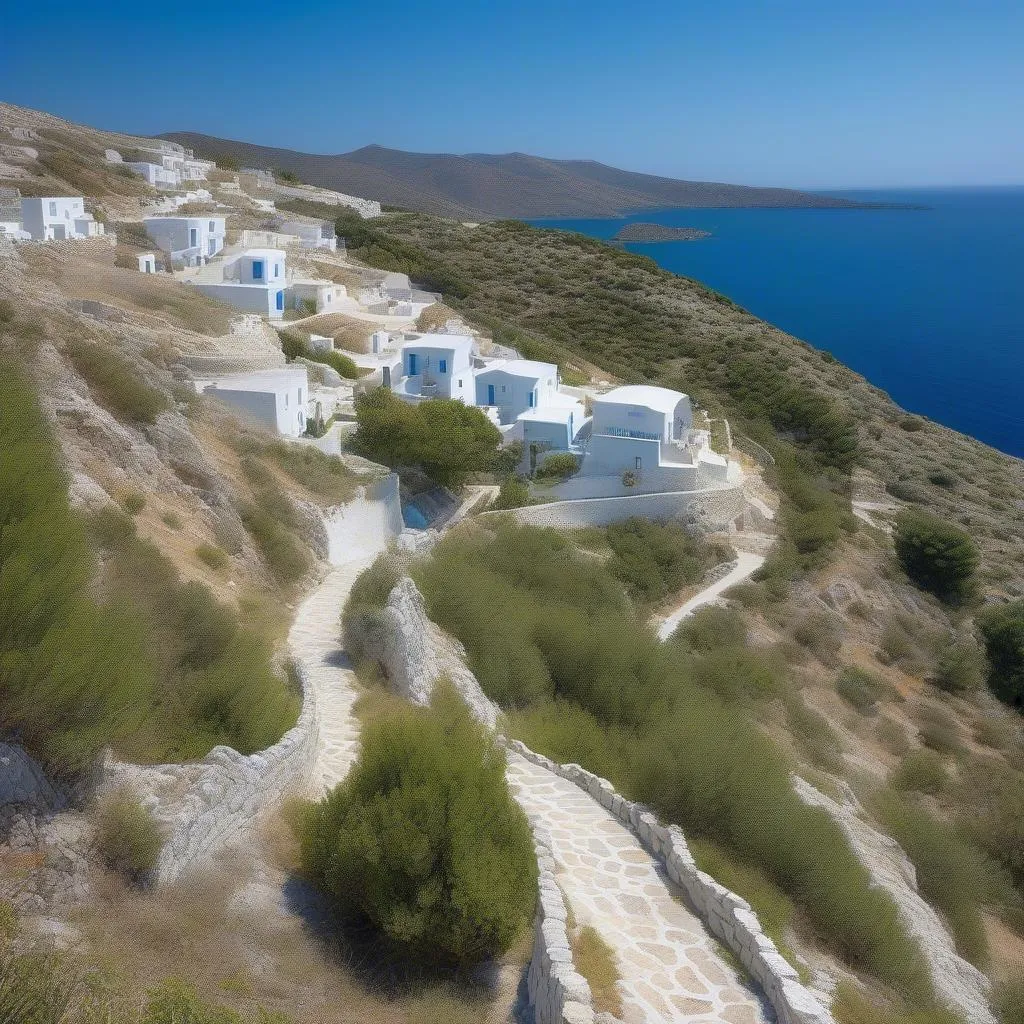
640, 232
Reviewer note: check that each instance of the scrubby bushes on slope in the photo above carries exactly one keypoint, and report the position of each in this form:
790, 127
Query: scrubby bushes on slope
72, 673
1002, 627
424, 839
540, 620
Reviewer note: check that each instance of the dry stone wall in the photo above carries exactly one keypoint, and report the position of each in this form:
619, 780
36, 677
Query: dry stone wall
557, 992
727, 916
708, 510
203, 803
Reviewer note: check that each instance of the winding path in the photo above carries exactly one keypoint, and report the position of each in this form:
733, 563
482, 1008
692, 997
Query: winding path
747, 564
670, 968
356, 535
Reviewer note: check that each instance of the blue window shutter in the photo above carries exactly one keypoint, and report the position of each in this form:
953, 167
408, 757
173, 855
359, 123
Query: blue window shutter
280, 300
257, 270
531, 400
444, 365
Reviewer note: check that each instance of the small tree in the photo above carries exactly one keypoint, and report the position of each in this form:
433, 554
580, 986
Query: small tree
936, 556
560, 466
424, 839
1002, 628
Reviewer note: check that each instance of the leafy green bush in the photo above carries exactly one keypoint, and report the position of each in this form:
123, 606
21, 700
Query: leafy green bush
447, 438
216, 558
921, 770
817, 740
425, 840
559, 466
1002, 627
938, 730
822, 634
128, 838
960, 665
711, 628
952, 873
938, 557
851, 1006
295, 346
1009, 1001
365, 602
655, 560
861, 689
133, 503
284, 555
116, 383
513, 493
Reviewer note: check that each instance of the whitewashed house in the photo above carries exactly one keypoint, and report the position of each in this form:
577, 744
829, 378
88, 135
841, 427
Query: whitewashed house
553, 426
188, 240
147, 263
55, 217
154, 174
514, 386
275, 399
325, 296
437, 366
255, 282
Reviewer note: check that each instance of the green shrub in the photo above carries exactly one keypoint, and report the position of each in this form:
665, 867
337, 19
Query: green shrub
960, 665
938, 730
425, 840
172, 520
655, 560
446, 438
1009, 1001
513, 493
851, 1006
861, 689
952, 873
1002, 627
822, 634
892, 736
128, 838
177, 1002
366, 600
936, 556
817, 740
921, 770
216, 558
712, 627
559, 466
133, 503
116, 383
74, 674
284, 555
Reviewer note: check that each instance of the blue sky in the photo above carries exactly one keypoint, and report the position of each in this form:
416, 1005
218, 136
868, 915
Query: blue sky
830, 93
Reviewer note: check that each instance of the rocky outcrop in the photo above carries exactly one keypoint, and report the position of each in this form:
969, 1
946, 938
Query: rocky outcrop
959, 984
415, 653
23, 781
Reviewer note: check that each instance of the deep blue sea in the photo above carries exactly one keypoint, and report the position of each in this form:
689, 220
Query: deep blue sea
927, 304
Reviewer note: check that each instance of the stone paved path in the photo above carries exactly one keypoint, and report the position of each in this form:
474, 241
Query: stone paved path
670, 968
746, 565
357, 535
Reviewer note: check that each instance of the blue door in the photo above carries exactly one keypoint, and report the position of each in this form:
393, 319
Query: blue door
490, 394
257, 270
412, 364
280, 301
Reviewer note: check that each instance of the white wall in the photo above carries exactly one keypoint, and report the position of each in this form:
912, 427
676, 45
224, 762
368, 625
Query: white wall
512, 391
282, 410
252, 298
51, 216
457, 369
174, 235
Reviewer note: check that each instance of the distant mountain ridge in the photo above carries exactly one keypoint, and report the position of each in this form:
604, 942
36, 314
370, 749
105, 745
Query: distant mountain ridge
483, 186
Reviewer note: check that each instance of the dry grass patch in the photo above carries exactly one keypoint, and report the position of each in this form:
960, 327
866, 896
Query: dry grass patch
595, 960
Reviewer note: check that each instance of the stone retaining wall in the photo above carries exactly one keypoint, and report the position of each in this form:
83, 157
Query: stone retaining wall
557, 993
200, 804
707, 510
727, 916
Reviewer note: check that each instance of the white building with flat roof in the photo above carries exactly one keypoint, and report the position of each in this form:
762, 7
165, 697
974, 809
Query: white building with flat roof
274, 399
255, 282
437, 366
188, 240
48, 218
515, 386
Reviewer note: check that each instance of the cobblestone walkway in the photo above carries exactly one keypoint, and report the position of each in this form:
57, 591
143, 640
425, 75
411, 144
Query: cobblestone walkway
670, 968
357, 535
